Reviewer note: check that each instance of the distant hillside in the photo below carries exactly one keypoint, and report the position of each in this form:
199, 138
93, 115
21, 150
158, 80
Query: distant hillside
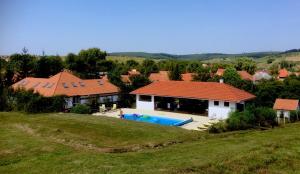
204, 56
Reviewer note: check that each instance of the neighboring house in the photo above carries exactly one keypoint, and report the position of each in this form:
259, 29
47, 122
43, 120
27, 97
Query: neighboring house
261, 75
75, 89
160, 76
282, 74
126, 78
163, 76
219, 98
284, 107
244, 74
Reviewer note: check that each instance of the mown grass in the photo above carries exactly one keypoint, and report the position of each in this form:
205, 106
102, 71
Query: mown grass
67, 143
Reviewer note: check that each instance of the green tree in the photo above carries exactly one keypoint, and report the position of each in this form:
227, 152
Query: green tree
148, 66
138, 81
246, 64
202, 74
174, 73
232, 77
48, 65
132, 64
21, 66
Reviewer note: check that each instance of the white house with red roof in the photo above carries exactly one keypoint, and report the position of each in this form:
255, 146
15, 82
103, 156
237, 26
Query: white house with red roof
218, 99
284, 107
75, 89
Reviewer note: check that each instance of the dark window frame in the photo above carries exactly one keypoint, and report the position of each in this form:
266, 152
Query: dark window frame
216, 103
146, 98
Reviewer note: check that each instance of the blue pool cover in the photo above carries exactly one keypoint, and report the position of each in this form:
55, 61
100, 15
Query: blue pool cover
156, 120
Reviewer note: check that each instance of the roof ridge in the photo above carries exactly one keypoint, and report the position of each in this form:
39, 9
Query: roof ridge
57, 83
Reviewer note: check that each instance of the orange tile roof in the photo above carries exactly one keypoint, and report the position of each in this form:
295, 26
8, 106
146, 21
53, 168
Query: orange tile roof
133, 72
283, 73
286, 104
244, 74
161, 76
220, 72
195, 90
187, 76
65, 83
125, 78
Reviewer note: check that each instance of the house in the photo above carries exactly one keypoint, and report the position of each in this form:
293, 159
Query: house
75, 89
217, 99
283, 107
126, 78
282, 74
160, 76
261, 75
163, 76
244, 74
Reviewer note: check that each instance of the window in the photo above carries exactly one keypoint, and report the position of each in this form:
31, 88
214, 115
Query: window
226, 104
100, 82
45, 85
50, 86
216, 103
81, 84
37, 84
145, 98
65, 85
74, 84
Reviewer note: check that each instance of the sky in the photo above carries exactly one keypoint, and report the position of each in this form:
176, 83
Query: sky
168, 26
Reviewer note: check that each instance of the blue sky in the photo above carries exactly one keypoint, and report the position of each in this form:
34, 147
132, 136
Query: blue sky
170, 26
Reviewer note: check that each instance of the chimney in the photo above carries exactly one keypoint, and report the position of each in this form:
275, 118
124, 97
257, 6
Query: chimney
221, 81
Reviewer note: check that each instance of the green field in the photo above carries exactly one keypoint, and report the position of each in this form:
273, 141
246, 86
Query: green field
70, 143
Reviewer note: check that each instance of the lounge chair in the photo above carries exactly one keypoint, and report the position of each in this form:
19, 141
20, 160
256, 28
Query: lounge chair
102, 108
114, 107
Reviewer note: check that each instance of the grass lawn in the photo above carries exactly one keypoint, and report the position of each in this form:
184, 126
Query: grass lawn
69, 143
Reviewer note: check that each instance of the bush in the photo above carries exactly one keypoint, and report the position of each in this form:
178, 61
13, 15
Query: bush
294, 116
30, 102
240, 120
218, 127
265, 117
81, 109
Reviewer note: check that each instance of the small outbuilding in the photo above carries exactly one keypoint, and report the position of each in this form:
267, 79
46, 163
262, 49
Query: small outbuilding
283, 108
216, 100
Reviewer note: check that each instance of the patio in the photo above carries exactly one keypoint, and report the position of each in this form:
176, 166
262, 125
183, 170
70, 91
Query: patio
199, 121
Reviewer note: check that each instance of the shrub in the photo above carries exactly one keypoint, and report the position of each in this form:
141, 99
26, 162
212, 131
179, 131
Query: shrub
240, 120
28, 101
81, 109
294, 116
265, 116
218, 127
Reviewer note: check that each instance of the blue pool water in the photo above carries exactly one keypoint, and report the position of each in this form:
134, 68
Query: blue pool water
156, 120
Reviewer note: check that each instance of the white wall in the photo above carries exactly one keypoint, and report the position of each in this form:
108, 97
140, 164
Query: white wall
286, 114
220, 112
145, 105
69, 102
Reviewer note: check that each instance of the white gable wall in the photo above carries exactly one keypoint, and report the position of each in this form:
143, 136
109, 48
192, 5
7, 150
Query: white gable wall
144, 105
220, 112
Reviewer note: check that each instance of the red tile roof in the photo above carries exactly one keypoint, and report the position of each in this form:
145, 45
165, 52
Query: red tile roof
133, 72
286, 104
244, 74
283, 73
161, 76
187, 76
220, 72
65, 83
195, 90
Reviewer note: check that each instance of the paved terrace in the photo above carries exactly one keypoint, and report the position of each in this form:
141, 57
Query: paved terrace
199, 121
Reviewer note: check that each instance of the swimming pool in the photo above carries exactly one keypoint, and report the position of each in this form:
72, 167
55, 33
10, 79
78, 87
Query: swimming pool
156, 120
